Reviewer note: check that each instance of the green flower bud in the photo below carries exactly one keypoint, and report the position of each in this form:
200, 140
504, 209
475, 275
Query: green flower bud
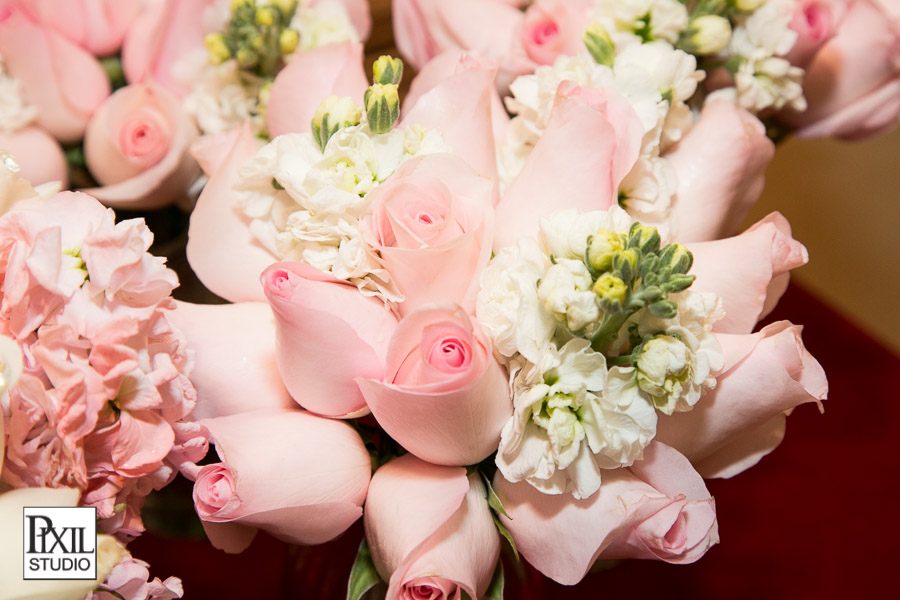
706, 35
602, 247
246, 57
611, 290
288, 41
382, 107
599, 44
387, 70
665, 309
266, 16
237, 4
664, 370
287, 6
747, 5
624, 264
644, 238
678, 282
218, 50
677, 258
333, 114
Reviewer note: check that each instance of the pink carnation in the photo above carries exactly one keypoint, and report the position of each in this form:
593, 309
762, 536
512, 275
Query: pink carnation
130, 579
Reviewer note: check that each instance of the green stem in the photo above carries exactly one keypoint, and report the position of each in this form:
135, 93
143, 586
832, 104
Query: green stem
609, 329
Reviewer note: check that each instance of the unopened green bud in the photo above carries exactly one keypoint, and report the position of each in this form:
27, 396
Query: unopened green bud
679, 283
677, 258
333, 114
602, 247
237, 4
599, 44
265, 91
644, 238
288, 41
610, 289
382, 107
706, 35
387, 70
747, 5
266, 16
287, 6
246, 57
624, 264
218, 50
665, 309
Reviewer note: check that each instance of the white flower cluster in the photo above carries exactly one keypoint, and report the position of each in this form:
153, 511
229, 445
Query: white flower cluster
763, 78
322, 22
636, 21
575, 415
305, 203
15, 113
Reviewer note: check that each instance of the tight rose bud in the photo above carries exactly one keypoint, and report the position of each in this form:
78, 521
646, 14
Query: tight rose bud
382, 107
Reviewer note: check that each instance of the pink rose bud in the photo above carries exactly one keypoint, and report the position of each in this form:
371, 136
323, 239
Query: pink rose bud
430, 531
749, 271
235, 369
659, 508
552, 28
712, 201
300, 477
443, 396
63, 81
328, 334
594, 137
136, 147
852, 85
815, 22
766, 375
434, 215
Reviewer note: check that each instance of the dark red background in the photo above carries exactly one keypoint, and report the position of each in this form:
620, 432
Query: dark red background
819, 518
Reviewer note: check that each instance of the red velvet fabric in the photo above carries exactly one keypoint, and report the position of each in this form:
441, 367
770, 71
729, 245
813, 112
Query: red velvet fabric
817, 519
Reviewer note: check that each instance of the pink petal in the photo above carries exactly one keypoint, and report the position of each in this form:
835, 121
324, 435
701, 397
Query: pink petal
38, 154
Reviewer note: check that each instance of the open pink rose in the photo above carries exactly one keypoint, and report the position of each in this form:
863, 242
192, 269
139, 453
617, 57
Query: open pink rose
38, 154
659, 508
443, 396
431, 532
327, 334
721, 166
766, 375
98, 26
552, 28
852, 85
136, 148
235, 368
749, 271
63, 81
434, 216
311, 76
594, 137
300, 477
221, 250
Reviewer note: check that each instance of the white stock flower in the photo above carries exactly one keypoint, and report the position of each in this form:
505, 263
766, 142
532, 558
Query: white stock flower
642, 20
305, 204
508, 306
647, 191
219, 100
565, 430
15, 113
321, 22
564, 234
565, 291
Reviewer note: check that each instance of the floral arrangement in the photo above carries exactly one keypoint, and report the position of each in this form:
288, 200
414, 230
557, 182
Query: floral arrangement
515, 307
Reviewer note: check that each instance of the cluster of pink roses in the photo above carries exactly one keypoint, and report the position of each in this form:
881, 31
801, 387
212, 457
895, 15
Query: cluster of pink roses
426, 368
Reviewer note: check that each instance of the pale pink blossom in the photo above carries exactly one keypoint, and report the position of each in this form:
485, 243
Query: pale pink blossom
98, 26
131, 579
38, 154
430, 530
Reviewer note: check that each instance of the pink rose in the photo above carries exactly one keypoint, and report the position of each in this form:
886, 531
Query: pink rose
853, 84
327, 334
430, 530
443, 397
552, 28
659, 508
300, 477
136, 148
594, 137
167, 32
721, 167
435, 216
38, 154
766, 375
335, 69
63, 81
221, 250
749, 271
235, 368
98, 26
815, 22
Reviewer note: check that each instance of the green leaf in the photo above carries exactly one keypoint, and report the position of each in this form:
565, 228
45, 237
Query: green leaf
493, 499
495, 589
505, 533
363, 576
